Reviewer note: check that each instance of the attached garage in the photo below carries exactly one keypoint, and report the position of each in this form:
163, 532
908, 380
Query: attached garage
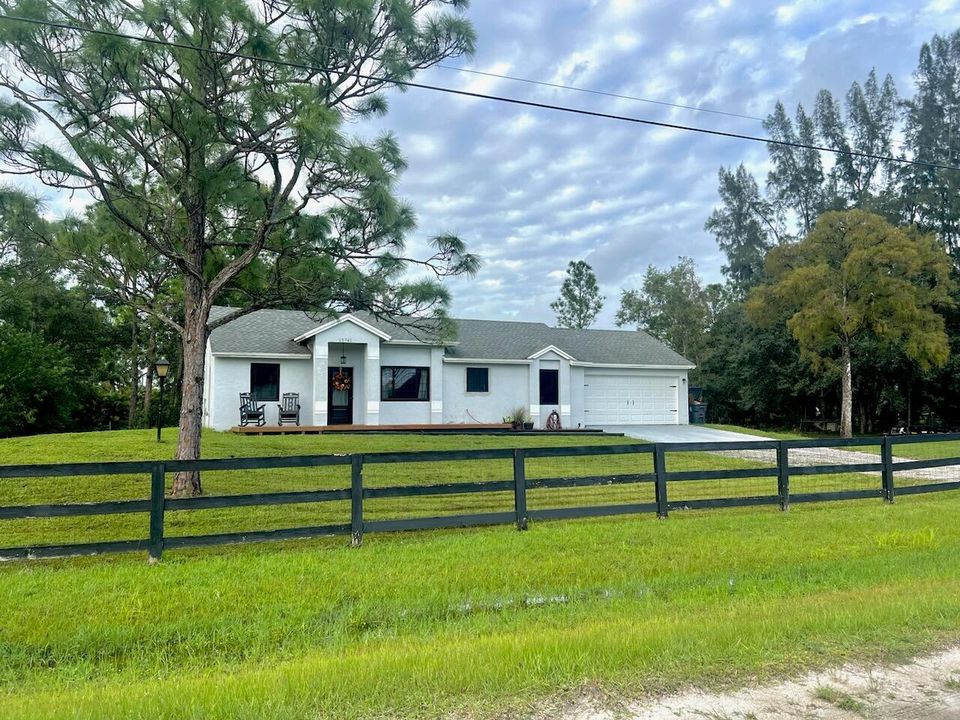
631, 399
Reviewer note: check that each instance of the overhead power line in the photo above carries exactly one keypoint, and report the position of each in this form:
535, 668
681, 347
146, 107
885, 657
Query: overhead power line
604, 93
482, 96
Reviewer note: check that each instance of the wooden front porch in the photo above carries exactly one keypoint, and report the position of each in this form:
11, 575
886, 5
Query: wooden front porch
457, 429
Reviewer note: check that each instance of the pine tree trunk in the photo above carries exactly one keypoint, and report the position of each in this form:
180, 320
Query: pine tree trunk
909, 406
846, 401
196, 314
148, 392
150, 369
134, 375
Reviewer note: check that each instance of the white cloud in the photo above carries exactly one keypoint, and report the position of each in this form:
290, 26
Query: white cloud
422, 145
520, 124
485, 83
625, 41
789, 12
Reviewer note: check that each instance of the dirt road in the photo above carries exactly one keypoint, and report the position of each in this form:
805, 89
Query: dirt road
927, 688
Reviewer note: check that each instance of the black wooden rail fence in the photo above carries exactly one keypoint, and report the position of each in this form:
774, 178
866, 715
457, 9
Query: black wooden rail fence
158, 504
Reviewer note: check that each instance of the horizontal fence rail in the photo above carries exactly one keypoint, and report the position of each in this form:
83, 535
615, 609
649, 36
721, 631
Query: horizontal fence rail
783, 460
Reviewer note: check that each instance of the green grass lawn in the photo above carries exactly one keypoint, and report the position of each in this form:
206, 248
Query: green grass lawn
422, 624
772, 434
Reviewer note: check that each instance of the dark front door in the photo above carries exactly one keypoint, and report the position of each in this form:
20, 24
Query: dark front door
340, 402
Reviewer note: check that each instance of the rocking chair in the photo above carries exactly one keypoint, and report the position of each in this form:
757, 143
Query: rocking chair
289, 408
250, 412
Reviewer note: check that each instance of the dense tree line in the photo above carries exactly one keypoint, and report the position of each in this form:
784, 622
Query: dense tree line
840, 301
72, 355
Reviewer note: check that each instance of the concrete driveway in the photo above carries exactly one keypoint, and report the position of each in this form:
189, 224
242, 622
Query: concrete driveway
680, 433
798, 456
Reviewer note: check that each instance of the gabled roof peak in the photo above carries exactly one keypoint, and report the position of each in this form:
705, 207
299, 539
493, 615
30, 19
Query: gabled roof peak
348, 317
554, 349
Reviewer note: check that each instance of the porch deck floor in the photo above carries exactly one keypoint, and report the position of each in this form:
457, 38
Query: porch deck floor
321, 429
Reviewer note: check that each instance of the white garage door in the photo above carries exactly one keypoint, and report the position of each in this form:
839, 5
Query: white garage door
630, 400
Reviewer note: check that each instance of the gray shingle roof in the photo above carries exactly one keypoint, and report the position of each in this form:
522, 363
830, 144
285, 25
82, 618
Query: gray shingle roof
500, 340
273, 331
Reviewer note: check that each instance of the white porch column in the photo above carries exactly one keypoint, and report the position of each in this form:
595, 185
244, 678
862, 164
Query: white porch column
566, 393
372, 383
535, 392
319, 382
436, 386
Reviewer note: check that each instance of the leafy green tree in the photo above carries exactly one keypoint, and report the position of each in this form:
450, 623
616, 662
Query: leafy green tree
674, 306
580, 301
37, 384
37, 297
856, 276
754, 375
744, 227
210, 157
25, 257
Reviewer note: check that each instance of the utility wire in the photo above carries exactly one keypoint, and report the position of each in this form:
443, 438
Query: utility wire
618, 96
483, 96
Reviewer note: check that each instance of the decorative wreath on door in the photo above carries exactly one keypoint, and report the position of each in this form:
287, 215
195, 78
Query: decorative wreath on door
340, 381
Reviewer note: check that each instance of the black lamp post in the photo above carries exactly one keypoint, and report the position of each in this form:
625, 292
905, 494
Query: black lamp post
162, 366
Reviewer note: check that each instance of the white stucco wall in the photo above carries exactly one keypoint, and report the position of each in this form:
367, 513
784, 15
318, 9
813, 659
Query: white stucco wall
576, 397
508, 389
231, 376
406, 412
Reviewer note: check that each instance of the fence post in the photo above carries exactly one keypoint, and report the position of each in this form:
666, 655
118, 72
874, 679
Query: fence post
520, 488
660, 470
783, 475
356, 500
886, 452
157, 504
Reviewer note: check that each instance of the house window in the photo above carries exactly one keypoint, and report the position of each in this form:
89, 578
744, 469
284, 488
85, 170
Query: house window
549, 387
265, 381
478, 380
405, 383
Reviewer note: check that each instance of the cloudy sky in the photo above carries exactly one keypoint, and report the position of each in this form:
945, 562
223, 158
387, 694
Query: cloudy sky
531, 189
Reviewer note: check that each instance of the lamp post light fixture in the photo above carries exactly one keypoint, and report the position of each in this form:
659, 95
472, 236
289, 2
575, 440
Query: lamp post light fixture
162, 367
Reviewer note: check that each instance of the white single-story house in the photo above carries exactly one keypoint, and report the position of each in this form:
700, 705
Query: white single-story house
397, 376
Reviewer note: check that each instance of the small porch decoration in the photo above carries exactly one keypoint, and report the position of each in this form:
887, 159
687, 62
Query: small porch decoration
340, 381
553, 422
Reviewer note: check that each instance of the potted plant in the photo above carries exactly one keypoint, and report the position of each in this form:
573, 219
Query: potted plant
519, 419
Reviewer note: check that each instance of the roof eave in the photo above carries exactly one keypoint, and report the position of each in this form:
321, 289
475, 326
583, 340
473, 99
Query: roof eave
636, 366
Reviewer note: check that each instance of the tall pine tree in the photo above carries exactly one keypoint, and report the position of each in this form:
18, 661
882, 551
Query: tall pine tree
580, 301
